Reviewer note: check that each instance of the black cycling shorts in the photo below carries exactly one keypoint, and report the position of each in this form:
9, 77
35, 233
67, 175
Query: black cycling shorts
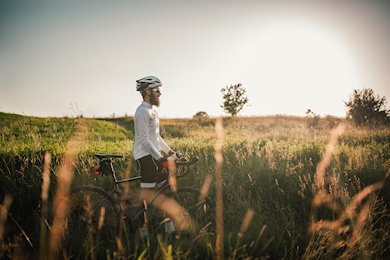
151, 173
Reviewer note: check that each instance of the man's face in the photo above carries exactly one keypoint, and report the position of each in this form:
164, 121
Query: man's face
155, 96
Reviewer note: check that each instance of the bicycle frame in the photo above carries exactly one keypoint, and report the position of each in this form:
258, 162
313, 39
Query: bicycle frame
108, 158
98, 219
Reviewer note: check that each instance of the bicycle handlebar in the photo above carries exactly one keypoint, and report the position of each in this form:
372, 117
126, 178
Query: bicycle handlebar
187, 162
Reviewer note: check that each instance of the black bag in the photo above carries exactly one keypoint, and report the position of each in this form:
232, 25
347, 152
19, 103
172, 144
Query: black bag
105, 167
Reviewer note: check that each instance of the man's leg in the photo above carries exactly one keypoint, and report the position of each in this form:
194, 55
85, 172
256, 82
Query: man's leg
148, 182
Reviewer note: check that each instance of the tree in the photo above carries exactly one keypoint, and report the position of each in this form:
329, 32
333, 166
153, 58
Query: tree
366, 108
234, 99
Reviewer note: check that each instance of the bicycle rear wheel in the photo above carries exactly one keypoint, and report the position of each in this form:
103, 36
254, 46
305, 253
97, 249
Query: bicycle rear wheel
92, 224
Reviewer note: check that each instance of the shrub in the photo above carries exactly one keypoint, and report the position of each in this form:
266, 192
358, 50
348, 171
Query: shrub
201, 115
366, 108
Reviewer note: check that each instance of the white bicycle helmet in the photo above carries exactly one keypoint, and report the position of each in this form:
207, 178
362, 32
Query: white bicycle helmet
148, 82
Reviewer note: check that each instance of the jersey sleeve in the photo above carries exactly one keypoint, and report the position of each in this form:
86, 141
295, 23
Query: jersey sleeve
142, 128
163, 145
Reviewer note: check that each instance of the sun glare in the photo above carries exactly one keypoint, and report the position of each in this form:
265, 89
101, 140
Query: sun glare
302, 53
303, 61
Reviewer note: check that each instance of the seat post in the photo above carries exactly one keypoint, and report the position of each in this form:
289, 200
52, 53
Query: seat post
113, 173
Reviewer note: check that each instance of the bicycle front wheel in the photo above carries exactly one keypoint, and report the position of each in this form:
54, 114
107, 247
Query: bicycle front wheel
199, 211
92, 224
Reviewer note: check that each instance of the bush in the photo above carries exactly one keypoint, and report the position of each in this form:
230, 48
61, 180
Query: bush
201, 115
366, 108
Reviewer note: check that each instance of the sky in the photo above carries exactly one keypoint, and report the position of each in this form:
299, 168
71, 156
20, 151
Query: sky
66, 58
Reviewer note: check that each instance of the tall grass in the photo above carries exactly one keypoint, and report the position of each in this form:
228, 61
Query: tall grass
44, 210
289, 190
219, 247
61, 198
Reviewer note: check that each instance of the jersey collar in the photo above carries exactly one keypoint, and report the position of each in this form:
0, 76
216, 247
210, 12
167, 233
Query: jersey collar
146, 104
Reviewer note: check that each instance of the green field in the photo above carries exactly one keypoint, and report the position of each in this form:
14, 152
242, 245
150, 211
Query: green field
269, 168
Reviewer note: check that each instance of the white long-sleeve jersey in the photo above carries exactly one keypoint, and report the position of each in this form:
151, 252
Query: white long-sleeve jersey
148, 140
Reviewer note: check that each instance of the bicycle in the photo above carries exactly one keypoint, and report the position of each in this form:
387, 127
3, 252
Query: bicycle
107, 221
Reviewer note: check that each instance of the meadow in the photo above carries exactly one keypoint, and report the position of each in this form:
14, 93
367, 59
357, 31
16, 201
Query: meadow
293, 187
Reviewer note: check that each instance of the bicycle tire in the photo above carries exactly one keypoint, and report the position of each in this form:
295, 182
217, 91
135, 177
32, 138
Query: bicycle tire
89, 232
200, 210
198, 213
195, 242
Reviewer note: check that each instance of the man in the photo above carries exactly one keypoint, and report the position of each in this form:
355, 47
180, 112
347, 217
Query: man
148, 141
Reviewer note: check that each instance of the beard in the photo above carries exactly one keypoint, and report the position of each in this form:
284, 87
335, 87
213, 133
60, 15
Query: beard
154, 100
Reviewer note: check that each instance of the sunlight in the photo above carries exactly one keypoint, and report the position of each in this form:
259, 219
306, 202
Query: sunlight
297, 58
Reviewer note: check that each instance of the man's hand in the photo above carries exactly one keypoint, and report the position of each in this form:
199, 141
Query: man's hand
175, 155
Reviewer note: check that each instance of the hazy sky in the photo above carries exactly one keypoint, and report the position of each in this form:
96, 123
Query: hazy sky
61, 58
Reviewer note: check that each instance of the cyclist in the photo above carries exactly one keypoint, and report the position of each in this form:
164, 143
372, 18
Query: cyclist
148, 141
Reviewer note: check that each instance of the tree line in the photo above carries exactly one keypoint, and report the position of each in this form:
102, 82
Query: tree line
364, 107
